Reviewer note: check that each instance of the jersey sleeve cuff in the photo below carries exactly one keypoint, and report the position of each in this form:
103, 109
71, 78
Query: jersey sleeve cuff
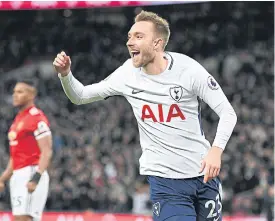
45, 134
65, 77
219, 144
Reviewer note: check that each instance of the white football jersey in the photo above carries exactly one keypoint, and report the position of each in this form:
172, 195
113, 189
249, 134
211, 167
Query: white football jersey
167, 109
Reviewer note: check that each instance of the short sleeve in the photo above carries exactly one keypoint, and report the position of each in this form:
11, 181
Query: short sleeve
39, 127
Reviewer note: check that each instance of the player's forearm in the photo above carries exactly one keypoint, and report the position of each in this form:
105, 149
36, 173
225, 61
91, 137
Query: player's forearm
6, 175
44, 161
227, 122
77, 92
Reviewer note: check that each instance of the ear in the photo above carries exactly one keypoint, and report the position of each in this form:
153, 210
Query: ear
158, 43
33, 93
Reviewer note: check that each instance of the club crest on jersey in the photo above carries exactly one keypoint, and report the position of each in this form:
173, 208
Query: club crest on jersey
212, 83
12, 135
176, 93
156, 208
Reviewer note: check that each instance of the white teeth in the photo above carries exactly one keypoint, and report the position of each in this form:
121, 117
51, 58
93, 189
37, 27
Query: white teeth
134, 53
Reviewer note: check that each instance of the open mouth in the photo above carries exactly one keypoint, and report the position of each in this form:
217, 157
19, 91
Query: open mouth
135, 53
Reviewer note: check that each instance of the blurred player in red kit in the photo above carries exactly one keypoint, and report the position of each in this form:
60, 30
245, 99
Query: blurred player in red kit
30, 154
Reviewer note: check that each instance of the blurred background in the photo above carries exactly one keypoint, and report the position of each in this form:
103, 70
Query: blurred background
96, 146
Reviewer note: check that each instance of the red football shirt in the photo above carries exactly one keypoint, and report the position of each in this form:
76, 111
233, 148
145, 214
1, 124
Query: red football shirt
27, 127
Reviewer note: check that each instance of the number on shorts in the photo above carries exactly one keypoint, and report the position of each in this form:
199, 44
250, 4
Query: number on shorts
16, 201
212, 205
219, 203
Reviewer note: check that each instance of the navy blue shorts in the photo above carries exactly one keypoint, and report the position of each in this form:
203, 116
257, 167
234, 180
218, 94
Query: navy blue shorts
185, 199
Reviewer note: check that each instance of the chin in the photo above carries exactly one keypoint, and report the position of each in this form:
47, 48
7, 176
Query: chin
16, 104
136, 64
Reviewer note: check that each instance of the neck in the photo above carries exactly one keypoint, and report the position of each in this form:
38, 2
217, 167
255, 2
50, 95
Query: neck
26, 106
157, 65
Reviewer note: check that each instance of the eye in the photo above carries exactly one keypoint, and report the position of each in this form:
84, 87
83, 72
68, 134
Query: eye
139, 37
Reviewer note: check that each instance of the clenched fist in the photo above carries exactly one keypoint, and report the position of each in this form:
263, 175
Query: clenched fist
62, 64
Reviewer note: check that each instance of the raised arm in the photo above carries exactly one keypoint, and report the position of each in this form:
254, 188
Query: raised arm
76, 91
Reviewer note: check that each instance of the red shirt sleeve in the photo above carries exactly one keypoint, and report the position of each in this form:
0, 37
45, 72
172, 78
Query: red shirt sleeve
39, 126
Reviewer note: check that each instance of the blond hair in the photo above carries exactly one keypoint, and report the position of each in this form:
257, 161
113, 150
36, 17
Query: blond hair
161, 24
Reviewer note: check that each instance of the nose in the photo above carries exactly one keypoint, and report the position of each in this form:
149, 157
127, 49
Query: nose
129, 42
